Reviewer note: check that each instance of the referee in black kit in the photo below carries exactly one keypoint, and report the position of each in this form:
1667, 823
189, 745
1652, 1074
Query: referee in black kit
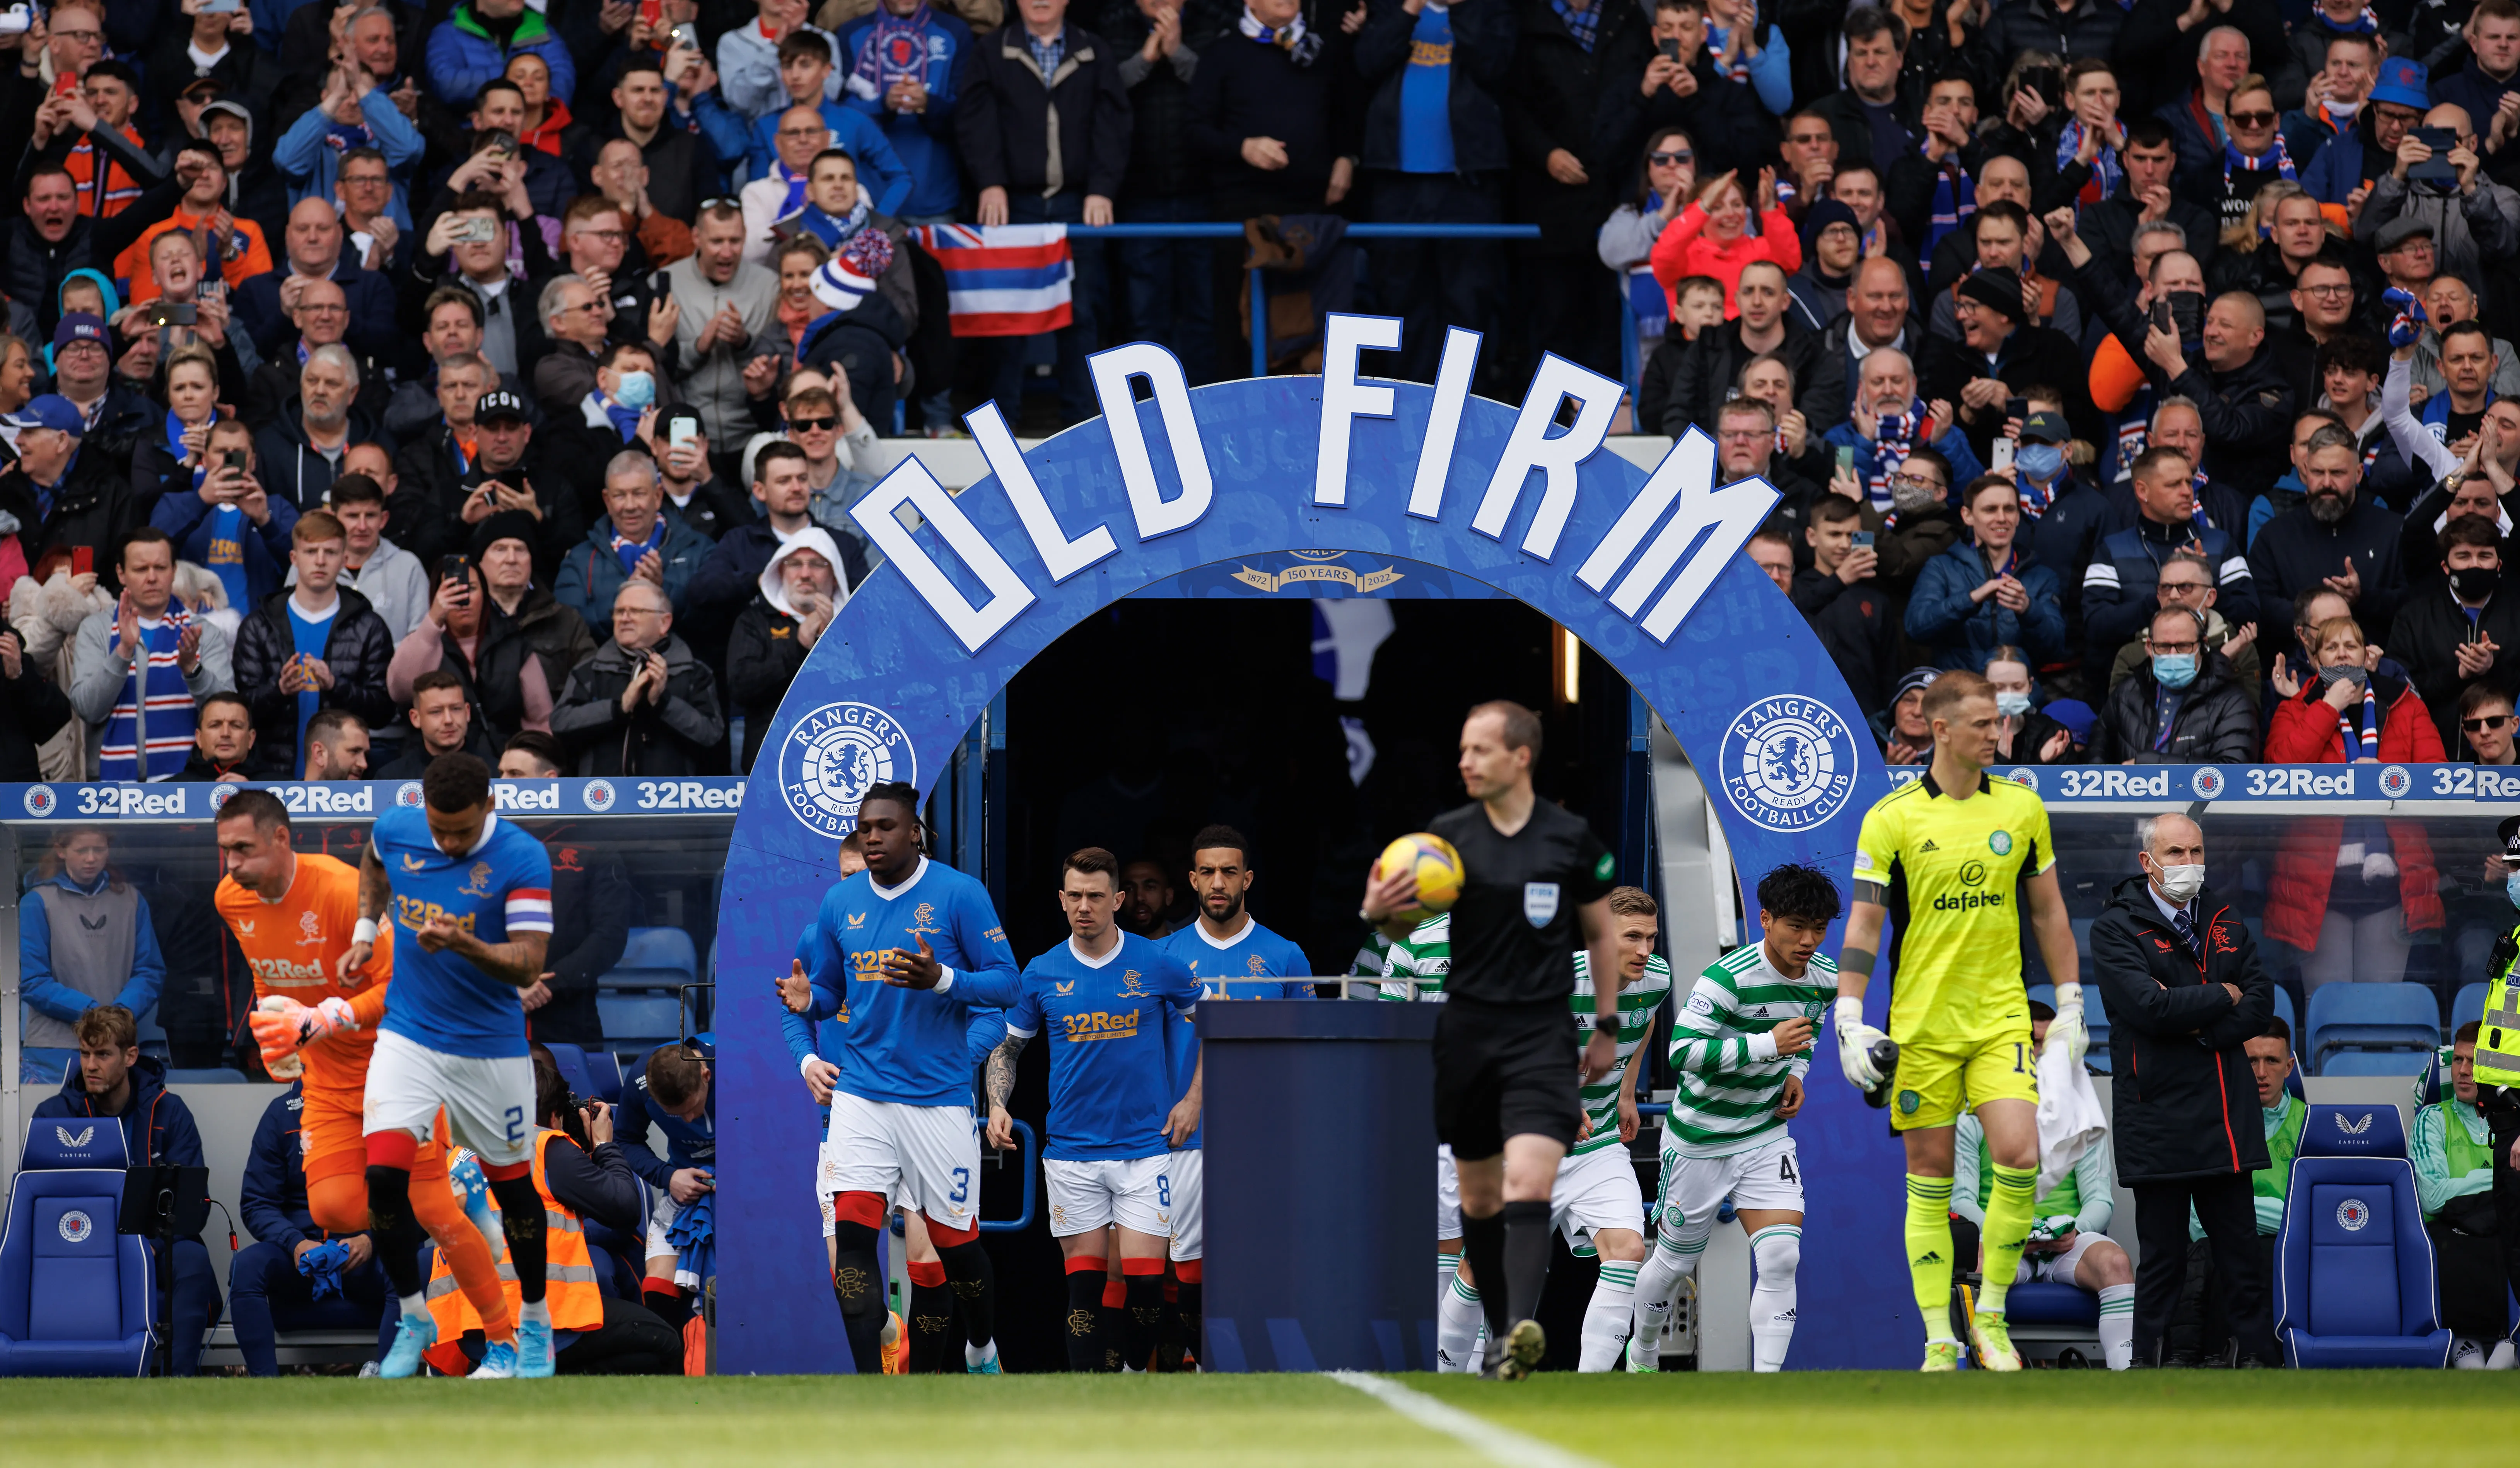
1506, 1064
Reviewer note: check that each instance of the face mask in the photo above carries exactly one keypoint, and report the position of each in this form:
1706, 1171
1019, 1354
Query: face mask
2511, 888
2180, 884
2474, 583
2175, 670
2040, 462
637, 390
2337, 673
2012, 704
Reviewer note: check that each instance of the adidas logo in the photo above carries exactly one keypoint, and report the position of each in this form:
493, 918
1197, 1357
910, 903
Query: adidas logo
1929, 846
1930, 1257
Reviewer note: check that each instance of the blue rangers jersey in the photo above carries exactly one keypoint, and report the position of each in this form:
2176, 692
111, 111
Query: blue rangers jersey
1110, 1086
498, 889
908, 1046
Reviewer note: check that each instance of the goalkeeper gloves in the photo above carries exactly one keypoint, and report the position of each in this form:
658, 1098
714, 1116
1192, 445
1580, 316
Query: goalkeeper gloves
1855, 1042
282, 1025
2066, 1028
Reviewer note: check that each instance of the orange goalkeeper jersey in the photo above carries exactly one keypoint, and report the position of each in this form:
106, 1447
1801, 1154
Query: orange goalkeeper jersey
291, 945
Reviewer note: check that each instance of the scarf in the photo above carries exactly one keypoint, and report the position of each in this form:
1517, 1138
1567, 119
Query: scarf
2367, 742
1717, 37
621, 416
795, 196
2278, 157
154, 706
1583, 25
2037, 499
1302, 47
2106, 175
629, 550
895, 50
342, 137
835, 232
2365, 23
796, 316
2435, 414
2200, 480
1892, 439
1954, 199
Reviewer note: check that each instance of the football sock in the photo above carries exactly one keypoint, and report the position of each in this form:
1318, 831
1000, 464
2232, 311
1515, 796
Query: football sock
980, 1355
520, 1219
1111, 1321
2010, 1209
1142, 1328
1457, 1318
1084, 1315
973, 1280
1526, 1260
1672, 1259
1193, 1274
1776, 1251
398, 1235
1484, 1250
2117, 1325
436, 1209
1606, 1319
1445, 1266
857, 1286
1929, 1252
931, 1316
667, 1300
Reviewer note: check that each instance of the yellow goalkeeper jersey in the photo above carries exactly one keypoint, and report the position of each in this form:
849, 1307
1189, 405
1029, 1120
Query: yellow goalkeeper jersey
1953, 869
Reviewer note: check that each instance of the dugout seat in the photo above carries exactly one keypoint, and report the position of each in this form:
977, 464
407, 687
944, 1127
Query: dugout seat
2354, 1270
75, 1296
654, 958
2468, 1004
2377, 1063
571, 1060
2284, 1013
2095, 1019
636, 1023
2370, 1018
605, 1068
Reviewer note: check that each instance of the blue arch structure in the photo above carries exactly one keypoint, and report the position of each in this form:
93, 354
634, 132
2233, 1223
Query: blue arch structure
1643, 567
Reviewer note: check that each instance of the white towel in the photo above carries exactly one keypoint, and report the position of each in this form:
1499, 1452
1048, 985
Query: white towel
2070, 1119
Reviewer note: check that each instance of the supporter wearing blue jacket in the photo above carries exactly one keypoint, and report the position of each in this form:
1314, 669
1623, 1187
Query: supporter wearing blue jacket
309, 151
186, 517
474, 43
114, 1082
880, 171
267, 1292
2119, 587
911, 41
1981, 594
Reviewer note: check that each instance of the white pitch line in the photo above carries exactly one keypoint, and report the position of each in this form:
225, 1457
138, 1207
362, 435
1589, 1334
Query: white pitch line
1499, 1445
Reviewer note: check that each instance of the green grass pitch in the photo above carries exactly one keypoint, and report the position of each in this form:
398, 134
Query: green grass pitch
1826, 1420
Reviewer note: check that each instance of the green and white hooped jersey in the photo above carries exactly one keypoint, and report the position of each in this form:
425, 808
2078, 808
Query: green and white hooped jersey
1637, 1006
1726, 1100
1427, 954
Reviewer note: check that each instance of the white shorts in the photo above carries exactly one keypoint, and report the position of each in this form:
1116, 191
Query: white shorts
824, 1173
2058, 1268
1187, 1174
1448, 1196
923, 1158
489, 1100
1595, 1191
1085, 1196
1768, 1175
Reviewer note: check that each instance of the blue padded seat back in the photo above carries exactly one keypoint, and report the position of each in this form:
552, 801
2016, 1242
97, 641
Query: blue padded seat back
2368, 1128
58, 1142
73, 1289
2353, 1260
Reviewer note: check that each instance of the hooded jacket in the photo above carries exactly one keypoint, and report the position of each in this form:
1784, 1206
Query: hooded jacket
542, 632
2121, 585
1708, 367
2216, 722
675, 735
765, 650
355, 647
2186, 1106
462, 55
2303, 731
158, 1127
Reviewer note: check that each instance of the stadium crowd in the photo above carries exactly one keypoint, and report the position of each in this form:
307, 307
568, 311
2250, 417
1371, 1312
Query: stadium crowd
387, 381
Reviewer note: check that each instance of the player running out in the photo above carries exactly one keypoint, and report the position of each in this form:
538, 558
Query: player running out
313, 1015
1223, 942
1741, 1045
1946, 857
1103, 994
469, 898
901, 1103
1506, 1062
1596, 1198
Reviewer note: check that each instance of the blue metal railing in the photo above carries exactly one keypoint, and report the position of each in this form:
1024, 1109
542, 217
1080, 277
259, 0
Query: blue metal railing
1259, 325
1025, 1145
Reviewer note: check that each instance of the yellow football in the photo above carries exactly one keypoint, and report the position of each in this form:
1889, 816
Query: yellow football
1437, 864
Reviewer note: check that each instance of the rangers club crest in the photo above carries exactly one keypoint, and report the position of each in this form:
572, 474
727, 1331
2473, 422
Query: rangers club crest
2394, 781
407, 794
40, 800
2024, 776
2352, 1214
2206, 784
76, 1227
220, 794
834, 756
599, 796
1788, 763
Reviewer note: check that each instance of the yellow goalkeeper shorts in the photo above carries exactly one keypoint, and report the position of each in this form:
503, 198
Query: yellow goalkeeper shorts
1935, 1084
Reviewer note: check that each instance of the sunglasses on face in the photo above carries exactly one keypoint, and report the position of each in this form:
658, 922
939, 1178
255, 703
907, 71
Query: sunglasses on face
813, 425
2486, 725
1668, 160
2252, 119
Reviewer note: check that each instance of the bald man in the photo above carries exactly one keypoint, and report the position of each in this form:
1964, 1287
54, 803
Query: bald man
2472, 225
316, 251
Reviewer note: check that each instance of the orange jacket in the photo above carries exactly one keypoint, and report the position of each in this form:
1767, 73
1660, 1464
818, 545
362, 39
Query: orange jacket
241, 257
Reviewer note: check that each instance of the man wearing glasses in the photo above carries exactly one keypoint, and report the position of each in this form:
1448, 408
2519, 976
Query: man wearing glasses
595, 241
266, 305
2119, 587
2472, 219
2187, 585
2485, 725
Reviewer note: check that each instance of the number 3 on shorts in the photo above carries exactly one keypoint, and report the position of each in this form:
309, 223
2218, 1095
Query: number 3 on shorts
962, 1186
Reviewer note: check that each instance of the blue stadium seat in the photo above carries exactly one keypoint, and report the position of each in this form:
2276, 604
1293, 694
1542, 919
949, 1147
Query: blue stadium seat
571, 1060
654, 958
2377, 1063
2468, 1004
637, 1023
208, 1075
75, 1296
2370, 1018
2037, 1304
2095, 1019
605, 1069
2354, 1272
2283, 1011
